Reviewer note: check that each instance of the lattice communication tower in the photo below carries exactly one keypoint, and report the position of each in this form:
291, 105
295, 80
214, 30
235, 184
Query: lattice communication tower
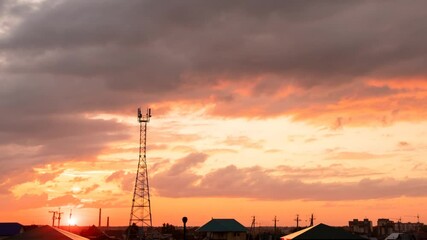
140, 216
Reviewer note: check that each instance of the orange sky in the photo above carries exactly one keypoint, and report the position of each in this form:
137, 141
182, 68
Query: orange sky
263, 110
208, 167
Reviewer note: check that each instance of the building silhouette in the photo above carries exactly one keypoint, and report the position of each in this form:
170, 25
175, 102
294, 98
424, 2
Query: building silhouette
361, 227
223, 229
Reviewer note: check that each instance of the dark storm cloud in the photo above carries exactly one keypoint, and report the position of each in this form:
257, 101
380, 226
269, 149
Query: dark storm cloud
82, 56
324, 42
149, 51
2, 4
82, 23
11, 9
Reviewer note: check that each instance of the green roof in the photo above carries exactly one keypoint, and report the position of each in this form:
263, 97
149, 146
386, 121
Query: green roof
322, 232
222, 225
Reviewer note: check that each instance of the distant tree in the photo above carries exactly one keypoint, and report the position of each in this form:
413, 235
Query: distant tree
168, 228
132, 231
91, 232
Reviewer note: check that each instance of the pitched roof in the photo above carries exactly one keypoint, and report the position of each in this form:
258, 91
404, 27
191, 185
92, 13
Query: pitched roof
392, 236
47, 233
10, 228
222, 225
321, 232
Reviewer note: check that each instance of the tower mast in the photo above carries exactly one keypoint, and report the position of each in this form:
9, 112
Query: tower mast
140, 216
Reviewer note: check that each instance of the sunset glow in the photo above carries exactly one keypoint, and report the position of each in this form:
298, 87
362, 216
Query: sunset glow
262, 110
72, 221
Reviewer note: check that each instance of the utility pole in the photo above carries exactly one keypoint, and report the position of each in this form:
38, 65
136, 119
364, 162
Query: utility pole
140, 215
53, 217
69, 220
297, 220
275, 220
312, 220
59, 217
418, 222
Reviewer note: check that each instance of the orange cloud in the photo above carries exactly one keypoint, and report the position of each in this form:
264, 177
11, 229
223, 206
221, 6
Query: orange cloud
26, 201
125, 179
356, 156
65, 200
242, 141
180, 180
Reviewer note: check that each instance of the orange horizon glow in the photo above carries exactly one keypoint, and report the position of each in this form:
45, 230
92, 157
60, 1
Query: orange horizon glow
84, 193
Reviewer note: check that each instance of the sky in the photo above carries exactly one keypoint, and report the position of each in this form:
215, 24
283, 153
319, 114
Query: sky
259, 108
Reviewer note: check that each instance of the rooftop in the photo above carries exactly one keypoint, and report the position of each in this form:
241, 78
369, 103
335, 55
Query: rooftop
321, 232
47, 233
222, 225
10, 228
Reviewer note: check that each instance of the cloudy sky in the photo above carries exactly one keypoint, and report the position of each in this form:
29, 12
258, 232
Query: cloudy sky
260, 109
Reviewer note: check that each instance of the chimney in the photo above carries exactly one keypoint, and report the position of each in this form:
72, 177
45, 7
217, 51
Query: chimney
99, 219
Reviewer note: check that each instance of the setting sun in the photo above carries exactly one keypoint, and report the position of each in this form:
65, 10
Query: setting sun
72, 221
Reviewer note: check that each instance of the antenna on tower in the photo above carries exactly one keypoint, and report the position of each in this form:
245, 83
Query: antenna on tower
140, 216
